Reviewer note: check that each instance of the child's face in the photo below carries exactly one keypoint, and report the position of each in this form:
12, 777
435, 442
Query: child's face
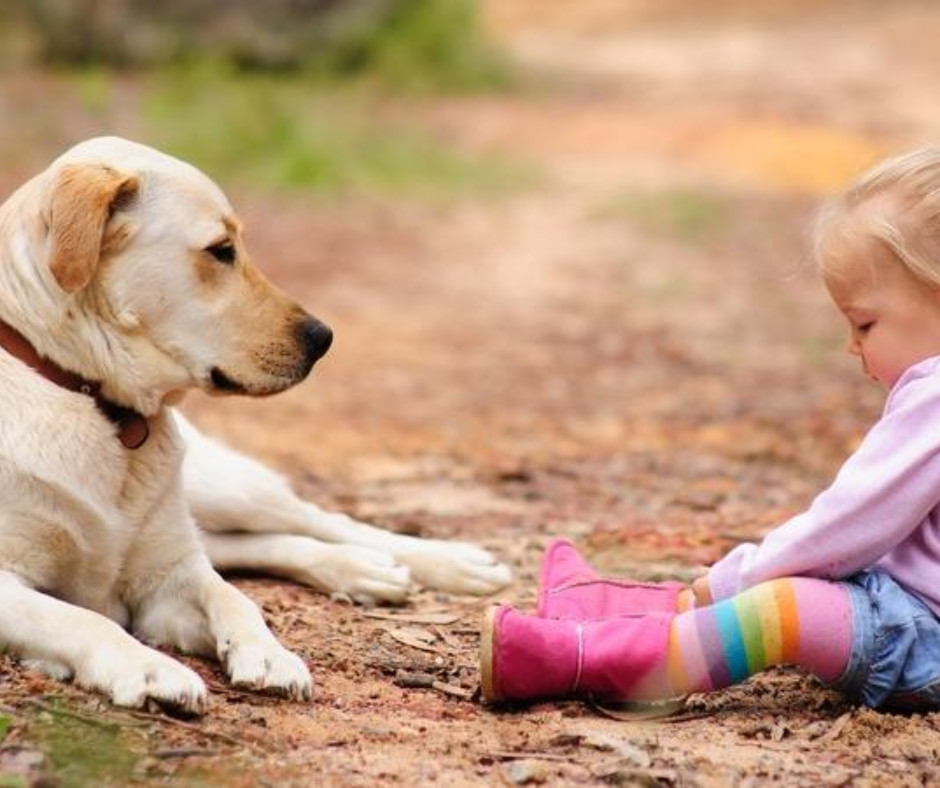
894, 318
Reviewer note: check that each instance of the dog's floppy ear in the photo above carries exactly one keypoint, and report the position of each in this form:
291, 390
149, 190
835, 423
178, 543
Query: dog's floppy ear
84, 196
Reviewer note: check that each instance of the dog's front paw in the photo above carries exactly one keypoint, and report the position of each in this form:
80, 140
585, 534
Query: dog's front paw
148, 675
366, 576
456, 567
270, 668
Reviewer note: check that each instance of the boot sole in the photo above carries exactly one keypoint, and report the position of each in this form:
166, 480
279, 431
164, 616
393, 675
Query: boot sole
489, 640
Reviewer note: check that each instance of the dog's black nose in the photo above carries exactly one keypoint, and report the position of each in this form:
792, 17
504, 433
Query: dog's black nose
316, 338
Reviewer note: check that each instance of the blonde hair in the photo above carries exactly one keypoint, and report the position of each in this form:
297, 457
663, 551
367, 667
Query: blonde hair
896, 202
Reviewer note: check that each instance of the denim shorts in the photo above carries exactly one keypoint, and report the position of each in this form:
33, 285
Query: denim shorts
895, 661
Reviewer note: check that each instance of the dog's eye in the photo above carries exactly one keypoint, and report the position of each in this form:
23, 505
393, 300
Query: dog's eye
224, 252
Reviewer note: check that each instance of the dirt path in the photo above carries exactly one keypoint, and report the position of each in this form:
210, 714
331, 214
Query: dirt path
631, 352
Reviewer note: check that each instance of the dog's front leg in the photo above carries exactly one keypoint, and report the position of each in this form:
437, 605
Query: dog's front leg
175, 597
457, 567
251, 654
227, 491
71, 641
194, 609
365, 576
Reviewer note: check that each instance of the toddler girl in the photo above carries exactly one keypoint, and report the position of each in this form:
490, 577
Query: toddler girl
849, 590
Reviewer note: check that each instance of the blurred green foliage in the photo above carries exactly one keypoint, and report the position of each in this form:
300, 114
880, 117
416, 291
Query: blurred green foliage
426, 44
685, 214
275, 132
256, 130
315, 95
83, 754
415, 44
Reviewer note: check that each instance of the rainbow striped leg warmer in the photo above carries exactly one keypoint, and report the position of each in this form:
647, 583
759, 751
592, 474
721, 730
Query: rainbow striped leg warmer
796, 621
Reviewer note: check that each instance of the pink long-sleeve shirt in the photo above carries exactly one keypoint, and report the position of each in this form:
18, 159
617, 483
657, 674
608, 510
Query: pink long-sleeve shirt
882, 510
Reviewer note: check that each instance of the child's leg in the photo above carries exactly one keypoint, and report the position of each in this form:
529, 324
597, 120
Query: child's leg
794, 621
655, 656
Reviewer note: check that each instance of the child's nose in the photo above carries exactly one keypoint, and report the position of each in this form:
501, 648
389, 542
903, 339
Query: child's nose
853, 347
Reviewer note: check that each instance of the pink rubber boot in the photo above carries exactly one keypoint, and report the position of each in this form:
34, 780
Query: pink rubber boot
526, 658
570, 588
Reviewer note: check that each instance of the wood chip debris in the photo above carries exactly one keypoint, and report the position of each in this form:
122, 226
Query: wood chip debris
625, 750
527, 772
447, 638
836, 730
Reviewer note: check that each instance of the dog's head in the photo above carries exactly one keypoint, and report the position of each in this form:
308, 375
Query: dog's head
150, 247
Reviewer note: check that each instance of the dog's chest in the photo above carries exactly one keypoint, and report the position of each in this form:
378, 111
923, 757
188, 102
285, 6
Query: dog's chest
150, 472
62, 439
70, 488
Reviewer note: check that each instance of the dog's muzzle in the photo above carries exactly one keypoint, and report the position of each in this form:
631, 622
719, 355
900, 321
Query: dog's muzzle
312, 339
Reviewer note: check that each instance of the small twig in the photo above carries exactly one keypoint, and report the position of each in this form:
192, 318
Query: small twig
392, 663
413, 680
776, 746
73, 715
207, 732
521, 755
253, 696
183, 752
453, 690
427, 681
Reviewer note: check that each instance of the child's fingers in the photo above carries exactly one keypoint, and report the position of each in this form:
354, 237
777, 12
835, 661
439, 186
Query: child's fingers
702, 591
685, 600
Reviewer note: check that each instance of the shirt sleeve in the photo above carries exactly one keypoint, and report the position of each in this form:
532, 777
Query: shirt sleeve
880, 496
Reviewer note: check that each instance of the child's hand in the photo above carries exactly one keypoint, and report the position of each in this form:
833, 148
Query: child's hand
702, 591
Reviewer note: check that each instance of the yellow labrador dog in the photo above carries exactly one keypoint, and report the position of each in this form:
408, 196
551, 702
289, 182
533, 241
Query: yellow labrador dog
124, 282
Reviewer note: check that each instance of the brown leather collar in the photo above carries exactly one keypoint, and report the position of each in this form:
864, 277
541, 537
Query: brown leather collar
133, 429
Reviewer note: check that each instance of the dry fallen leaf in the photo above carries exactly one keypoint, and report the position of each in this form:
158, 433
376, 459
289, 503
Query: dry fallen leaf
415, 637
415, 618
